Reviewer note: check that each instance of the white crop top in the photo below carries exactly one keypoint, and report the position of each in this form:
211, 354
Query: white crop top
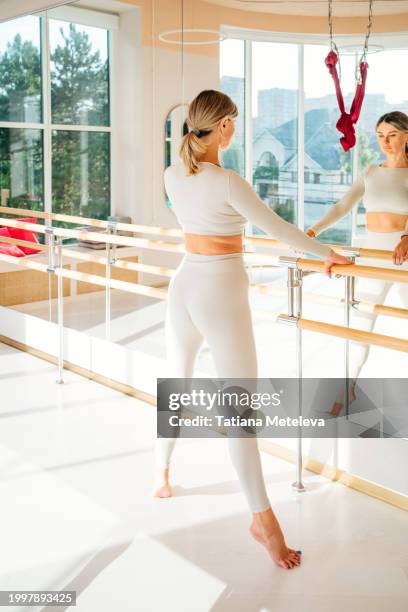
382, 190
218, 201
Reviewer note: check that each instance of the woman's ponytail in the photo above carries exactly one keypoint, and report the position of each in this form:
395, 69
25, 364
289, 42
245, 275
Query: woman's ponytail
191, 149
204, 114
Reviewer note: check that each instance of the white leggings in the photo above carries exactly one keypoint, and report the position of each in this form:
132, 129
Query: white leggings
374, 291
208, 299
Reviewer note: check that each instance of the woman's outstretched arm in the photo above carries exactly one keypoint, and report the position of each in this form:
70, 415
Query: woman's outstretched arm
244, 199
342, 207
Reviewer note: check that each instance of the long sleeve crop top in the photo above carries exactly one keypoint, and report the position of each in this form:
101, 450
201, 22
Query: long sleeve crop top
382, 190
218, 201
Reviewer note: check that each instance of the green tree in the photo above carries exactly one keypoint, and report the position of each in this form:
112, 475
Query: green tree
79, 81
81, 160
20, 100
79, 90
20, 79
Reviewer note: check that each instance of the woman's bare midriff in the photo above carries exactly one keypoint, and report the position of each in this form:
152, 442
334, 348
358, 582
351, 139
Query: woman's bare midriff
205, 244
385, 221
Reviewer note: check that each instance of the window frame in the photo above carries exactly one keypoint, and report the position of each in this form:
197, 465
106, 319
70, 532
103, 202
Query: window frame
388, 40
80, 16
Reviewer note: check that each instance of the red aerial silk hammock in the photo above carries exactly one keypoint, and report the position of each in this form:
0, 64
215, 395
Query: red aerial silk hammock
345, 124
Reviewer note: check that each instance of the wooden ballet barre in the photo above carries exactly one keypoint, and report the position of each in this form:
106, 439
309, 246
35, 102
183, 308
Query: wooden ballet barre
160, 270
129, 265
142, 243
88, 278
318, 298
23, 262
302, 264
360, 305
178, 233
26, 243
254, 288
129, 227
390, 311
154, 292
351, 333
397, 276
358, 335
359, 251
119, 263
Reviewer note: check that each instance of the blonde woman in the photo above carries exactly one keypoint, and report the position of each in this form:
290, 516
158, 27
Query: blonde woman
208, 294
384, 189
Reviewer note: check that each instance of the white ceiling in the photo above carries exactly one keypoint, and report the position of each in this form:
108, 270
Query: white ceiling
341, 8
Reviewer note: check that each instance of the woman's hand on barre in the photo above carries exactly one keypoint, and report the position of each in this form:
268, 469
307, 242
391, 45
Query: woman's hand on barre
333, 259
400, 253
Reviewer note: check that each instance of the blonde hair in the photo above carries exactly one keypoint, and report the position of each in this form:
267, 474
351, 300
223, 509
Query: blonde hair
204, 113
398, 120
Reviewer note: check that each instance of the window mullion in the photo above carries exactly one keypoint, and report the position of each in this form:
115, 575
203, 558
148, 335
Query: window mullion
301, 140
46, 94
21, 125
69, 127
112, 46
248, 119
354, 167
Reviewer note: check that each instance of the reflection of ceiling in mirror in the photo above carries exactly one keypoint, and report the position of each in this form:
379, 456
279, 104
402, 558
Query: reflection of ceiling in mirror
341, 8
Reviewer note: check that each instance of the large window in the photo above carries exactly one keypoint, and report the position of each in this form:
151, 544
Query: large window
21, 146
275, 127
232, 76
55, 115
298, 167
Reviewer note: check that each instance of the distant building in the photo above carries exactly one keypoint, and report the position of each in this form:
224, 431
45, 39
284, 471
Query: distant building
276, 106
234, 87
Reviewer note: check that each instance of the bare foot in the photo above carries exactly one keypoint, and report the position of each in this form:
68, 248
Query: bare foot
272, 538
337, 406
162, 486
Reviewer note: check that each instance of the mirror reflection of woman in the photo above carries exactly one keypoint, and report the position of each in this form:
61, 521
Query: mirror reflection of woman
208, 293
384, 189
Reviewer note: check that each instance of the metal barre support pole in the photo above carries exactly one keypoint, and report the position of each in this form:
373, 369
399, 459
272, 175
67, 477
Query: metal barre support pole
50, 241
298, 281
294, 284
348, 301
60, 315
110, 259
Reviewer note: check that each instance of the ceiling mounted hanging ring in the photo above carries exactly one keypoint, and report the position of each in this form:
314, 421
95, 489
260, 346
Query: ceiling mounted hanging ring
163, 37
353, 49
